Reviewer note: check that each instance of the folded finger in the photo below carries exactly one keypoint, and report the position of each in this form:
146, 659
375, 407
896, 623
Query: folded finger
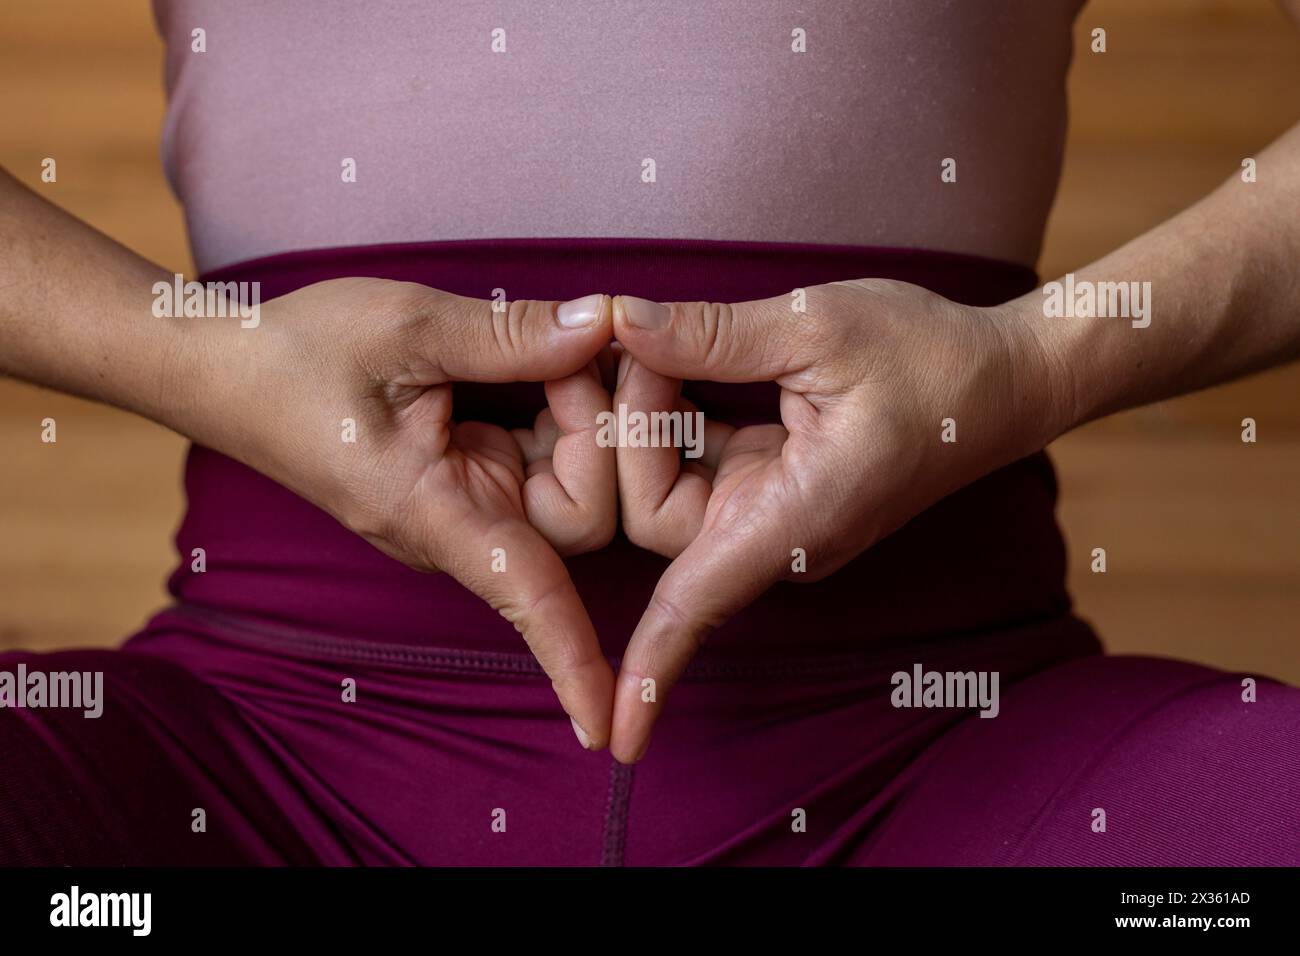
573, 502
662, 505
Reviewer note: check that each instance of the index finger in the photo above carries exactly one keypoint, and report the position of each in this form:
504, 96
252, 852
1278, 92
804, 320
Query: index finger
717, 575
511, 566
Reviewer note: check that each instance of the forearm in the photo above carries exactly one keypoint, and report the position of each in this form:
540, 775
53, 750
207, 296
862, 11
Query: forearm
76, 313
1224, 300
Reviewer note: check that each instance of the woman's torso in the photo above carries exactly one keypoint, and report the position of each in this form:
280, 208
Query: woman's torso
750, 140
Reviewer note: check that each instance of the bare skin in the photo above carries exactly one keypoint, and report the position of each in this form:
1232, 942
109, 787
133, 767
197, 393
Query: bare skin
868, 373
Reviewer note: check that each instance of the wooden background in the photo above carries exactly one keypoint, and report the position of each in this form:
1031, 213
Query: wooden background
1201, 530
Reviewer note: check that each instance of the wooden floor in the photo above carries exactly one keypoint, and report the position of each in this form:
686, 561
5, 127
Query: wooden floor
1200, 529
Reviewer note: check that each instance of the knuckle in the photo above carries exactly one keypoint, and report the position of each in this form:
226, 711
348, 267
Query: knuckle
830, 324
703, 327
518, 608
508, 328
403, 306
716, 331
646, 530
594, 532
383, 319
670, 610
682, 623
601, 530
420, 322
635, 527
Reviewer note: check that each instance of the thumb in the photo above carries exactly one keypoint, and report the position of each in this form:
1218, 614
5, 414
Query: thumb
756, 341
475, 340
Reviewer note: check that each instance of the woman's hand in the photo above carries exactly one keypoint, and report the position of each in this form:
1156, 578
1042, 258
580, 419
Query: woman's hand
373, 361
892, 397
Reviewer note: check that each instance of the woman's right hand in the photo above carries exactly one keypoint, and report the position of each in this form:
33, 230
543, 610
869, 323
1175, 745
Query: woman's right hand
434, 493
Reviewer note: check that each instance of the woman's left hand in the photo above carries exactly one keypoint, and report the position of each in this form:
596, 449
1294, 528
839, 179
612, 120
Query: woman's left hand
892, 398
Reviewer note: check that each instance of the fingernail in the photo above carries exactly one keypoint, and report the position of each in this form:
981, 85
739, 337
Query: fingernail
581, 735
645, 314
641, 753
624, 364
580, 313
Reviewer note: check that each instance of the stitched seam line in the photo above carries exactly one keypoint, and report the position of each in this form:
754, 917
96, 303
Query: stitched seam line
614, 839
284, 638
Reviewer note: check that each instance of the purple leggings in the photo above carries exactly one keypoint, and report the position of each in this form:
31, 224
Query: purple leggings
782, 745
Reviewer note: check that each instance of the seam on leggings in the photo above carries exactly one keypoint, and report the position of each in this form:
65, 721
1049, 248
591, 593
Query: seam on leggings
614, 838
285, 638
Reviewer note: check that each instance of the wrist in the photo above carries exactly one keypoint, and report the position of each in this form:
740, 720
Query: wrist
260, 394
204, 371
1047, 397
